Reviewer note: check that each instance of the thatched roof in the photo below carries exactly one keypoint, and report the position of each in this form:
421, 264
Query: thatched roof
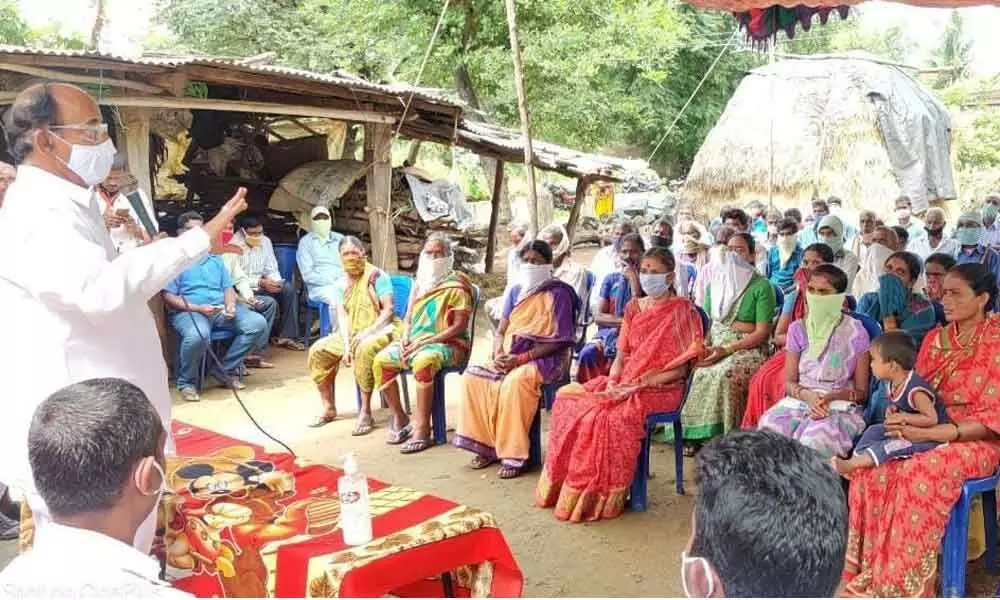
846, 126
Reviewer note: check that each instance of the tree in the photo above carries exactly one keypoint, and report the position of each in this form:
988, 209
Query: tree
13, 29
954, 53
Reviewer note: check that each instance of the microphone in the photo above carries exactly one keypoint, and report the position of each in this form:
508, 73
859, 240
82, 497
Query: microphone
131, 192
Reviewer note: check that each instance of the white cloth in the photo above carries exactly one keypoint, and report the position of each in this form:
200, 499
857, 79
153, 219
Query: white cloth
121, 237
848, 263
240, 280
75, 307
730, 276
258, 261
603, 264
922, 247
573, 274
870, 269
69, 562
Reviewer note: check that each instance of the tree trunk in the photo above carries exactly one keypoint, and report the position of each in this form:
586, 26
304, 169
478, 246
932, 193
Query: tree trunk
99, 21
378, 153
522, 105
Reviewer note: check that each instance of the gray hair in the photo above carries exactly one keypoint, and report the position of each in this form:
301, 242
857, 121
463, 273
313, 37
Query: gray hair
85, 440
441, 238
552, 230
626, 226
351, 241
34, 107
521, 228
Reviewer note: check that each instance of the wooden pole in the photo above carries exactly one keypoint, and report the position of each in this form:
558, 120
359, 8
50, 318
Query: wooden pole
522, 105
136, 126
574, 212
378, 146
491, 239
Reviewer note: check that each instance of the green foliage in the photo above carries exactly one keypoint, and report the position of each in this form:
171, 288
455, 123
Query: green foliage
981, 149
13, 29
954, 53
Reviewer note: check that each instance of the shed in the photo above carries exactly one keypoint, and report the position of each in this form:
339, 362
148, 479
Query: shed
847, 126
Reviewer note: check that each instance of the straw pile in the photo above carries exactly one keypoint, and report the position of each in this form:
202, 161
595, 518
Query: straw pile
830, 118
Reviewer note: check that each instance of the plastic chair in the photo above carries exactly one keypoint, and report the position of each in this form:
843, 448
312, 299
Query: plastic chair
439, 420
323, 309
402, 287
638, 490
535, 433
285, 253
956, 535
216, 338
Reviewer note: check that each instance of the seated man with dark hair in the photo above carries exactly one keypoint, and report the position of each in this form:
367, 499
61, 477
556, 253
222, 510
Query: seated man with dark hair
96, 450
203, 300
749, 541
261, 266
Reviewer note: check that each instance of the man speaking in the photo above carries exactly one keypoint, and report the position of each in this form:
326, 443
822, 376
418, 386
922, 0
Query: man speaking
72, 307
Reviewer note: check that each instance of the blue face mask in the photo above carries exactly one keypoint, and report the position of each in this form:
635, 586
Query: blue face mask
969, 236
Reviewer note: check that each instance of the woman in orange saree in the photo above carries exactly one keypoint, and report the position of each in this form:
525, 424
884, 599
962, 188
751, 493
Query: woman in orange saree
597, 427
899, 511
501, 398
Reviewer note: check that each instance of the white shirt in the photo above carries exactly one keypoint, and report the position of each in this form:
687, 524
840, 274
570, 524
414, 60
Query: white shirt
68, 562
74, 309
121, 237
922, 247
603, 264
258, 261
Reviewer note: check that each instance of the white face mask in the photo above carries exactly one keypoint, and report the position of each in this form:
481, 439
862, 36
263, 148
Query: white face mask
788, 242
531, 276
430, 271
689, 562
654, 284
902, 214
92, 164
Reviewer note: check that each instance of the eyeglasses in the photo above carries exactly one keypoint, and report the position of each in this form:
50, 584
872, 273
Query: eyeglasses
92, 132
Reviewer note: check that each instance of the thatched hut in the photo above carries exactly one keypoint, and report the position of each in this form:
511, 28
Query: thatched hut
848, 126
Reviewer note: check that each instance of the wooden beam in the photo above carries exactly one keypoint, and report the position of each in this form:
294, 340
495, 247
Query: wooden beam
76, 78
135, 122
574, 212
378, 154
522, 105
237, 106
491, 238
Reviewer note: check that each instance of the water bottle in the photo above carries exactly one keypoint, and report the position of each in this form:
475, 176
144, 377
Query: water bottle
355, 513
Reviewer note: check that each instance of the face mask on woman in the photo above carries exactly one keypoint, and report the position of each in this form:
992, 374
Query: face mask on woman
825, 308
531, 276
969, 236
430, 271
834, 242
990, 212
787, 242
654, 284
354, 264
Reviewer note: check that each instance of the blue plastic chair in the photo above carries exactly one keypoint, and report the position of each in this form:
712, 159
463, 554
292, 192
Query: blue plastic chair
779, 300
439, 420
285, 253
639, 488
956, 535
535, 433
402, 287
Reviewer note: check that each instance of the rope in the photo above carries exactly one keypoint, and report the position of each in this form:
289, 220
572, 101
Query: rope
693, 94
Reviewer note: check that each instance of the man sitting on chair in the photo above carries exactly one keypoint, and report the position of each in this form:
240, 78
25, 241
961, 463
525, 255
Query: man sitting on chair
435, 335
203, 300
319, 263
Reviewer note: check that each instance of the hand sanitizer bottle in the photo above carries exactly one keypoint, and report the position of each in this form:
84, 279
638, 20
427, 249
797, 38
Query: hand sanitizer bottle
355, 513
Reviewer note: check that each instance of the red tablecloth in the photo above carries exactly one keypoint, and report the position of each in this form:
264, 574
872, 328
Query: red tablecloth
250, 523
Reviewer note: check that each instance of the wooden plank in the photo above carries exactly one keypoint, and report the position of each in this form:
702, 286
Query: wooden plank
58, 75
491, 236
574, 212
136, 125
378, 154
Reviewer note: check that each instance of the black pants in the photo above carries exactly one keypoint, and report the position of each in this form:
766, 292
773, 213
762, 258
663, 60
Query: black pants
288, 305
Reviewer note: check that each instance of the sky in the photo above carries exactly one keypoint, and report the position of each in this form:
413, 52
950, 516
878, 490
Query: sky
129, 23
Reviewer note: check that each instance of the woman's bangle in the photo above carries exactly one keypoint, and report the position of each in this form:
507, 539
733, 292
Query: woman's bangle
958, 433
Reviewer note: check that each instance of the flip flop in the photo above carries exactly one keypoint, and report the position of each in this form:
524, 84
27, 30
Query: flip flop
480, 462
363, 427
415, 446
398, 436
256, 362
509, 472
323, 420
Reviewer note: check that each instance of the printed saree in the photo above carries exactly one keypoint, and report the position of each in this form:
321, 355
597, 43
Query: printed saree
594, 440
432, 313
898, 511
497, 408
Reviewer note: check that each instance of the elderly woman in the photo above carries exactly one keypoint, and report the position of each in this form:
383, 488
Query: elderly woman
899, 510
826, 371
596, 428
830, 231
363, 300
895, 305
741, 303
936, 267
616, 290
564, 268
884, 242
500, 399
768, 384
521, 235
435, 335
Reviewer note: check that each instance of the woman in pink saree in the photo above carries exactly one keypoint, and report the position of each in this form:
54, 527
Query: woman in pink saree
597, 427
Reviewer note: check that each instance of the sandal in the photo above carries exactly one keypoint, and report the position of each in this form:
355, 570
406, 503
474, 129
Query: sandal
257, 362
363, 426
509, 472
691, 449
323, 420
290, 344
480, 462
415, 446
398, 436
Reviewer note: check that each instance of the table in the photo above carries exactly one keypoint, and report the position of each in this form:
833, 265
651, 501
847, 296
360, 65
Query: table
248, 523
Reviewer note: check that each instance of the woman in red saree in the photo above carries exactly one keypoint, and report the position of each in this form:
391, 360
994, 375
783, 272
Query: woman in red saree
898, 511
597, 427
767, 386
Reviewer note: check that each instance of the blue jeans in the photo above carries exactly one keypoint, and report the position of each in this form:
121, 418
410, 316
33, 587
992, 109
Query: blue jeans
194, 330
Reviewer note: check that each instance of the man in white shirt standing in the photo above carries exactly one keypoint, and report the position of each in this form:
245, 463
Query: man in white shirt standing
77, 308
98, 499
